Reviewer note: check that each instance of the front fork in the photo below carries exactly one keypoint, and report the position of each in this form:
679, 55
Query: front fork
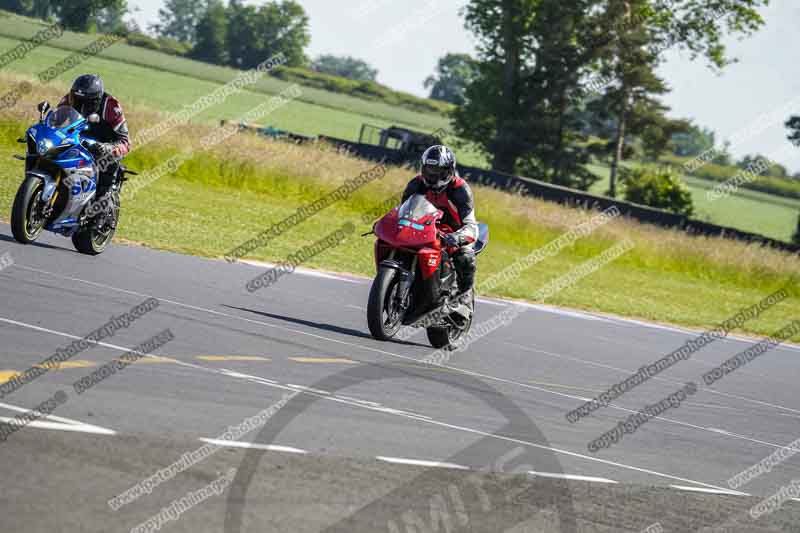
49, 192
404, 285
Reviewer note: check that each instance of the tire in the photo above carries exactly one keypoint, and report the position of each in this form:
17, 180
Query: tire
381, 294
446, 337
90, 241
28, 195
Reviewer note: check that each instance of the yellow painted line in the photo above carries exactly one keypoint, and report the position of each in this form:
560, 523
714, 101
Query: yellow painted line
69, 364
323, 360
6, 375
154, 360
232, 358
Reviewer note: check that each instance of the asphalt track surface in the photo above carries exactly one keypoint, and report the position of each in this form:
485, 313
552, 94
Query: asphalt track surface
371, 438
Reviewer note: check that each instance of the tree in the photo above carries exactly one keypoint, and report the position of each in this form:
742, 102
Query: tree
256, 34
81, 15
694, 141
793, 125
627, 60
178, 19
211, 35
345, 66
518, 106
75, 15
722, 156
699, 27
453, 73
775, 169
110, 19
43, 9
658, 187
658, 134
641, 31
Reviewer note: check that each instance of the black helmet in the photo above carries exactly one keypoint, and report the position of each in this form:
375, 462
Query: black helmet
438, 167
87, 94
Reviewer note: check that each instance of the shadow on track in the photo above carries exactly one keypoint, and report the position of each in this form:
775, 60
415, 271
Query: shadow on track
9, 238
319, 325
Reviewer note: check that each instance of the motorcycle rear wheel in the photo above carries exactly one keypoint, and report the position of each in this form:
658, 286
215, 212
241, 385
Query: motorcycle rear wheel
92, 241
448, 336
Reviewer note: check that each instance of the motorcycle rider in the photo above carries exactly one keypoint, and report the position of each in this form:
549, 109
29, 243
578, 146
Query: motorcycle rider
88, 96
439, 182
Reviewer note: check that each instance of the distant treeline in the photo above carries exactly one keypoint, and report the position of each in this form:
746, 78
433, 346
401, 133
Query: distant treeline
236, 35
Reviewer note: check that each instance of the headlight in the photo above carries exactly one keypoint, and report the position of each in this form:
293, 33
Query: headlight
44, 146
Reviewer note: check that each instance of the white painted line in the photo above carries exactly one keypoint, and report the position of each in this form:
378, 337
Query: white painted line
677, 329
492, 302
710, 491
309, 389
250, 445
377, 350
239, 375
419, 462
61, 421
78, 428
605, 317
572, 477
558, 311
717, 430
357, 400
631, 372
399, 356
364, 405
304, 271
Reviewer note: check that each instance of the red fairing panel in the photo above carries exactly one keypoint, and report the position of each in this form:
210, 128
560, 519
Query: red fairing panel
429, 260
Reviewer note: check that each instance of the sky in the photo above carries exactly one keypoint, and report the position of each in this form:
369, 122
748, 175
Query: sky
747, 103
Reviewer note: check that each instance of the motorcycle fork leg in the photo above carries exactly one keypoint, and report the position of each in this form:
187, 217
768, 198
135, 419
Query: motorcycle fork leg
406, 281
55, 192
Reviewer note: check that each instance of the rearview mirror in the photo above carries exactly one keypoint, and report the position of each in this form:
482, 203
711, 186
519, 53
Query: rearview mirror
94, 118
43, 108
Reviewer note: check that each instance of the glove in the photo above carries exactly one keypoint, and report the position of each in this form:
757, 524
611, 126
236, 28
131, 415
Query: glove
102, 150
450, 241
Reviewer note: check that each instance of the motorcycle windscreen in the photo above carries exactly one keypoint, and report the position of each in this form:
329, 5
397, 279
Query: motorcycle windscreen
63, 117
416, 208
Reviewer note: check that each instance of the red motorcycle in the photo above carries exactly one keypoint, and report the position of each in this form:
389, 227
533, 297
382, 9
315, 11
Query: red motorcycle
416, 281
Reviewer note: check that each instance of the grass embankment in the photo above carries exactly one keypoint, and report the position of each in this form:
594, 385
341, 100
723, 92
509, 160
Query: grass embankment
219, 200
147, 78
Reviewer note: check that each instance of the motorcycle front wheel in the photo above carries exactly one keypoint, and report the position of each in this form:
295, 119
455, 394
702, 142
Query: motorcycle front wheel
384, 314
27, 220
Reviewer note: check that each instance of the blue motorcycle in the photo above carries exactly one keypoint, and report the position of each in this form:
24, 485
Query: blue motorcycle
61, 183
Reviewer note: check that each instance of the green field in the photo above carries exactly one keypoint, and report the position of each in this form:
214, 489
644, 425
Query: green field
144, 78
754, 211
166, 93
